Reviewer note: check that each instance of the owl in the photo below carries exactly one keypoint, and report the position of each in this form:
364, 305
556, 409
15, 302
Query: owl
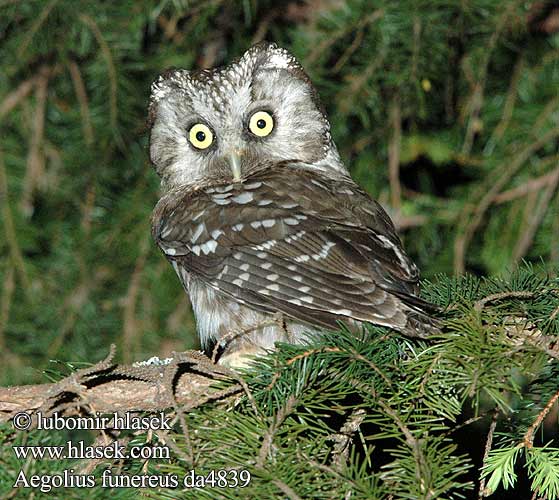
269, 235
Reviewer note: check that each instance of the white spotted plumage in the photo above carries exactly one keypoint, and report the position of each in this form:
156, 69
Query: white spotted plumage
254, 226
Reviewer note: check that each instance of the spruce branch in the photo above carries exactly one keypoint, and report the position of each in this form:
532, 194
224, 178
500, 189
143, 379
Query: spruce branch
286, 489
536, 218
343, 438
35, 157
488, 444
529, 436
533, 184
480, 304
279, 418
472, 215
16, 256
111, 69
20, 93
81, 94
394, 154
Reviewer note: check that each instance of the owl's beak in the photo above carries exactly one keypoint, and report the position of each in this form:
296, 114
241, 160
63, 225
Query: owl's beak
235, 163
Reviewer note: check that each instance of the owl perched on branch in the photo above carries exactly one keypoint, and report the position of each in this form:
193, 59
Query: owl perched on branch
268, 233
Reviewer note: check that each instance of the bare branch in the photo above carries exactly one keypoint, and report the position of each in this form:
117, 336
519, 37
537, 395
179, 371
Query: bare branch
488, 444
35, 157
343, 439
109, 387
81, 94
529, 186
529, 436
480, 304
394, 155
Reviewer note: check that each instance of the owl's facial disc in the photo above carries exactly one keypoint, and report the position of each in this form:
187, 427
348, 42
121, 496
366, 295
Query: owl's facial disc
210, 124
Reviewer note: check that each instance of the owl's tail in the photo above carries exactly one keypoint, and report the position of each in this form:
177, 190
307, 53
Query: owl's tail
422, 325
421, 321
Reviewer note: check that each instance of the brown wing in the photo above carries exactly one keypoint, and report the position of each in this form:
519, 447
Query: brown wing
288, 239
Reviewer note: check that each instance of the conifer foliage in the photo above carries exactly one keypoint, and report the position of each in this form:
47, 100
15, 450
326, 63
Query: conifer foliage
447, 112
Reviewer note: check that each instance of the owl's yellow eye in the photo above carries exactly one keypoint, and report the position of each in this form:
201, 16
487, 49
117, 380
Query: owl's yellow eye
200, 136
261, 123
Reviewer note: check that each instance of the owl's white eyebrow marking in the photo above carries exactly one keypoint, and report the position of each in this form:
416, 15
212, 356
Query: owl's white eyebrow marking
199, 230
238, 227
243, 198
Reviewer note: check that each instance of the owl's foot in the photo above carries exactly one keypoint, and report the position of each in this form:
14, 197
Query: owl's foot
241, 358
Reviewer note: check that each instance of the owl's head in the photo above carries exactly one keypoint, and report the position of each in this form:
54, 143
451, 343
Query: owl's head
215, 123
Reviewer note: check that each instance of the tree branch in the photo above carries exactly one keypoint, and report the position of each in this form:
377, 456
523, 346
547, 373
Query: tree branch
109, 387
